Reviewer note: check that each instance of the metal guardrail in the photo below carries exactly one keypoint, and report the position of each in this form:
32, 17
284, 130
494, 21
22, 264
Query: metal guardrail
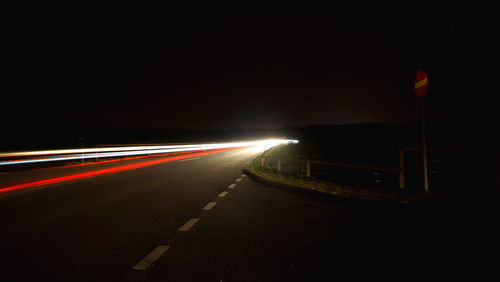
376, 169
308, 163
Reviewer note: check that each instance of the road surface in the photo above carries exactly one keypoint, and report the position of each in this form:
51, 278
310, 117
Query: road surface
201, 219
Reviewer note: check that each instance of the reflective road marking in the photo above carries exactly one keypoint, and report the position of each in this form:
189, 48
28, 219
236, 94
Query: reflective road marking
151, 258
209, 206
189, 224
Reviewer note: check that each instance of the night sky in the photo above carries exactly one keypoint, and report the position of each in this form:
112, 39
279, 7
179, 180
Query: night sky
242, 67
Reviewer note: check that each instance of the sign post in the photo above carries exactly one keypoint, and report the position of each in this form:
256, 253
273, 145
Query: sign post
421, 82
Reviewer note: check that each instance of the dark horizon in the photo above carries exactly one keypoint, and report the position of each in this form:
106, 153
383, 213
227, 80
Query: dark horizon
440, 133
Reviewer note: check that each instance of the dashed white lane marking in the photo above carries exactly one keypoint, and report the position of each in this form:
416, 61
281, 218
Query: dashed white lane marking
191, 159
151, 258
222, 194
231, 186
243, 175
209, 206
238, 180
189, 224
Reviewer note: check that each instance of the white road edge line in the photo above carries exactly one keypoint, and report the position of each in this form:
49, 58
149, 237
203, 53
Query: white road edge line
189, 224
231, 186
222, 194
151, 258
209, 206
191, 159
238, 179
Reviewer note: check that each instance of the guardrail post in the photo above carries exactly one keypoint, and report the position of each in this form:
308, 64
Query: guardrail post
308, 169
262, 161
401, 168
279, 165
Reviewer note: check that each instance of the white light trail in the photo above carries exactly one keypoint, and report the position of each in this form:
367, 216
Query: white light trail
78, 154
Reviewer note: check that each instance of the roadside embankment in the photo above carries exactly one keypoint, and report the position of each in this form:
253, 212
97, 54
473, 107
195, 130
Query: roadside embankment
286, 166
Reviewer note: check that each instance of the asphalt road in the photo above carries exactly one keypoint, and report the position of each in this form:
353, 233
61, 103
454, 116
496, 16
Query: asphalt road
160, 223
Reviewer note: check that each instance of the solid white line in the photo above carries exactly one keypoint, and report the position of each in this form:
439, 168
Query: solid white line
151, 258
231, 186
189, 224
185, 160
209, 206
222, 194
238, 180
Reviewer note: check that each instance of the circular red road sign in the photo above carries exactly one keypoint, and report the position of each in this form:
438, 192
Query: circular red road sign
421, 82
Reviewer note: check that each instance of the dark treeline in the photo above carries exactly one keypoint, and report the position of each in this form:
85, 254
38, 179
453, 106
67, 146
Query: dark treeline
377, 143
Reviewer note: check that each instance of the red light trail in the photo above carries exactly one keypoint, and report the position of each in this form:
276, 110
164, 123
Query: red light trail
105, 171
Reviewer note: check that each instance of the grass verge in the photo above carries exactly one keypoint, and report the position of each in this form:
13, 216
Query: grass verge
293, 176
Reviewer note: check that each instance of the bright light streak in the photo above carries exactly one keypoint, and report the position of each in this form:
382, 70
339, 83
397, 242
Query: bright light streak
95, 173
78, 154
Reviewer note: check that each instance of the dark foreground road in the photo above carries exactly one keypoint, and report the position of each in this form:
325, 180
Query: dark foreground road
100, 229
